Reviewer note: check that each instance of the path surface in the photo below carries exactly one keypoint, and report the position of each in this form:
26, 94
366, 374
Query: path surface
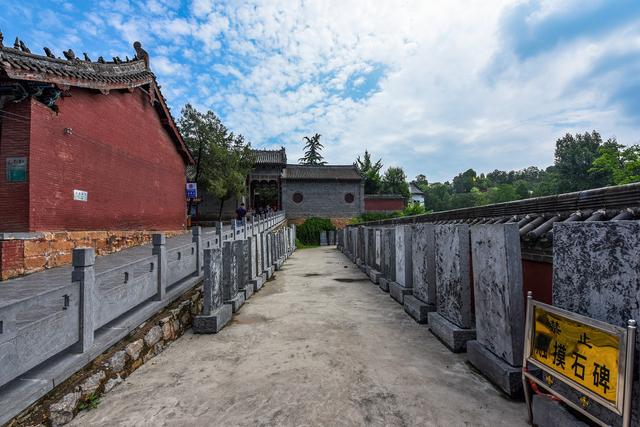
319, 345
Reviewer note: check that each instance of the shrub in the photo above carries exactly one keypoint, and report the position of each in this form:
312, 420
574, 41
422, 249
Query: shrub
309, 231
374, 216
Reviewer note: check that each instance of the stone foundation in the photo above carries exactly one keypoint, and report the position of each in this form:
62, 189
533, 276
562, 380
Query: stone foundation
25, 253
110, 369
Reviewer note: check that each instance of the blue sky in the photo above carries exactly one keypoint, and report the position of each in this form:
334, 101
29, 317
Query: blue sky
434, 86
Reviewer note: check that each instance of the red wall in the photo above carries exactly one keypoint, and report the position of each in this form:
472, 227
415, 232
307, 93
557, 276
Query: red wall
14, 142
382, 205
118, 151
537, 278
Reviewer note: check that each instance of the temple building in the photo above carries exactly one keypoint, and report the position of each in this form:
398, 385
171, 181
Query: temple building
303, 191
89, 155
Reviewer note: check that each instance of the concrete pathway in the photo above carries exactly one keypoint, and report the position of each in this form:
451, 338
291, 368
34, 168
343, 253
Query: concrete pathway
319, 345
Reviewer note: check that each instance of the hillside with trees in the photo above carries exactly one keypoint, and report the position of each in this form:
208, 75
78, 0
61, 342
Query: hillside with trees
582, 162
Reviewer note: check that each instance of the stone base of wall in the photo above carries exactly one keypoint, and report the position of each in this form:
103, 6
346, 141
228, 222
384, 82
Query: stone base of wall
25, 253
84, 388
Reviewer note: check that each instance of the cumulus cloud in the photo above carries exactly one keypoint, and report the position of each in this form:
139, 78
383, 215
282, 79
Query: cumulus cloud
436, 87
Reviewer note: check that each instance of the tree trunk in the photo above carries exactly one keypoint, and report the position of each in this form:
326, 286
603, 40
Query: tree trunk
220, 212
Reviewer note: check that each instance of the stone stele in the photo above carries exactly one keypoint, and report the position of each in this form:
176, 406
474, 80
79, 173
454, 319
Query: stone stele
596, 273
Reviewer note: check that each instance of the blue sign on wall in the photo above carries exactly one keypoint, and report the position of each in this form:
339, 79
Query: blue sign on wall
192, 190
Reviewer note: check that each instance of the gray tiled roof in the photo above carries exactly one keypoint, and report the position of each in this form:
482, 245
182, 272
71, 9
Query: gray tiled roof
326, 172
94, 75
270, 157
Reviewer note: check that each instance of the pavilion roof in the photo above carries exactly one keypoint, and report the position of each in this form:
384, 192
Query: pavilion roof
324, 172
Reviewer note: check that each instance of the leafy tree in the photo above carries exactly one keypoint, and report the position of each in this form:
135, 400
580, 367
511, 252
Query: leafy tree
502, 193
622, 164
371, 173
437, 197
223, 160
421, 182
312, 154
395, 182
464, 182
574, 156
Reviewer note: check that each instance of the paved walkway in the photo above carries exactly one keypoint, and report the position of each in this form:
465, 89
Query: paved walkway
319, 345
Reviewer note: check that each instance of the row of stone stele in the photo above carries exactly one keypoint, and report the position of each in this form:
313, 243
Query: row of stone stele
222, 299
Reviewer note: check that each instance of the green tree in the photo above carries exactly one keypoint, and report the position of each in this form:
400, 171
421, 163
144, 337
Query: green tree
370, 172
622, 164
421, 182
223, 160
574, 156
437, 197
312, 154
395, 182
464, 182
502, 193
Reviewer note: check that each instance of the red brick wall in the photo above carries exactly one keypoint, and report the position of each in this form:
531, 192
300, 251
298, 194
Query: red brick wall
383, 205
14, 142
118, 151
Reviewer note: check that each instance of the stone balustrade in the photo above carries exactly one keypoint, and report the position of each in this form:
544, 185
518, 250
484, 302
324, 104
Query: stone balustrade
54, 322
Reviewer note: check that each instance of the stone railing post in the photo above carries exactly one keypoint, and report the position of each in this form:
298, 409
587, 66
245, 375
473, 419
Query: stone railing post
253, 225
83, 260
160, 250
196, 233
244, 225
219, 232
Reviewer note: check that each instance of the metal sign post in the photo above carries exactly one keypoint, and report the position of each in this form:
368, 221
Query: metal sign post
592, 357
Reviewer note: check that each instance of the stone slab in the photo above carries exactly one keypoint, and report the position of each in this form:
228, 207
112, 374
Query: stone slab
398, 292
383, 283
403, 259
417, 309
507, 377
213, 323
596, 273
450, 334
423, 256
452, 274
236, 302
258, 282
269, 272
548, 413
248, 290
497, 276
374, 275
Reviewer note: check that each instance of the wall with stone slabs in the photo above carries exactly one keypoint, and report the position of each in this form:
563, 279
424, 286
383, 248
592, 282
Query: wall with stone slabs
388, 254
596, 273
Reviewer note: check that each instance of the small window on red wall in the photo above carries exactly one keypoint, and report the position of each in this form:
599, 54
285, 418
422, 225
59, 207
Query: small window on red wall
349, 198
297, 197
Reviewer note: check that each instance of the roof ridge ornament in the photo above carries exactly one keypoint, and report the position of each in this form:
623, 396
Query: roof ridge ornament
1, 39
86, 57
48, 52
141, 53
24, 48
16, 44
69, 54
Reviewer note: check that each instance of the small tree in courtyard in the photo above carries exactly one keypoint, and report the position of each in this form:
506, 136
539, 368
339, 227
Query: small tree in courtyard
223, 160
312, 154
370, 172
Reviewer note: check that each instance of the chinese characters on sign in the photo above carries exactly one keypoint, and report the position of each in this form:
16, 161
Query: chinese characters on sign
581, 353
16, 168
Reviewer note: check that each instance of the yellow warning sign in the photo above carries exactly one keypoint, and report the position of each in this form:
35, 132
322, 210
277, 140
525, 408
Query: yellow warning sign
581, 353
